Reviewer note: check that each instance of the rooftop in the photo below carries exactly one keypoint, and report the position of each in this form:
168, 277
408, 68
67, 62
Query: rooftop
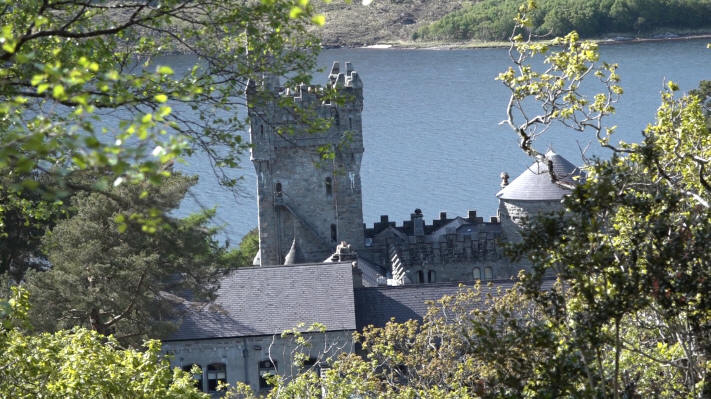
535, 183
269, 300
377, 305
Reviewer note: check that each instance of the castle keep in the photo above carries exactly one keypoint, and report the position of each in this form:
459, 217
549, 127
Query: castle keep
302, 206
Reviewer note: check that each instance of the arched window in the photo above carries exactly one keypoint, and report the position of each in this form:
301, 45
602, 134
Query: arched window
420, 276
488, 274
277, 188
197, 376
431, 276
329, 186
216, 374
334, 233
266, 367
476, 273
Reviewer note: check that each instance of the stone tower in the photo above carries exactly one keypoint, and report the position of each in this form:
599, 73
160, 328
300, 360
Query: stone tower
306, 202
534, 193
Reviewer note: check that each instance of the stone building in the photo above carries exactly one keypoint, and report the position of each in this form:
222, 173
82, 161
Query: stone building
237, 338
318, 263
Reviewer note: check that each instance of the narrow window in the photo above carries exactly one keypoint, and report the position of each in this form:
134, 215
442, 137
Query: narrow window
197, 376
420, 276
334, 233
431, 276
216, 374
261, 130
278, 188
488, 275
329, 186
476, 273
266, 368
350, 123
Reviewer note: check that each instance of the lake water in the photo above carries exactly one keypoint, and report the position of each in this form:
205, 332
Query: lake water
432, 134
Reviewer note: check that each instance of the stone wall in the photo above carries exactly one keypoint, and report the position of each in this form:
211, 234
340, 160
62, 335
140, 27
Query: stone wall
514, 213
244, 358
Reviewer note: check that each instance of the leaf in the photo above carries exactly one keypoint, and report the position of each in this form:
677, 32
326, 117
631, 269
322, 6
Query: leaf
295, 12
58, 91
164, 70
319, 19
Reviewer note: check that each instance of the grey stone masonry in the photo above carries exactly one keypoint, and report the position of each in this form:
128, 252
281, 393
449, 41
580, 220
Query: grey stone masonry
449, 249
299, 194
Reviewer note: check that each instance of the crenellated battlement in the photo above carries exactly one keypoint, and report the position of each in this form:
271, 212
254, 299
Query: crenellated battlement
416, 226
451, 248
347, 83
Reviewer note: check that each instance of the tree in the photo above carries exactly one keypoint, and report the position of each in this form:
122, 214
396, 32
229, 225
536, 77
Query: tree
631, 243
80, 363
85, 93
704, 95
83, 86
244, 254
108, 275
27, 215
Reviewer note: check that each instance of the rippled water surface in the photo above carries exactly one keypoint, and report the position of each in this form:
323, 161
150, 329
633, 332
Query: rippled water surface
432, 134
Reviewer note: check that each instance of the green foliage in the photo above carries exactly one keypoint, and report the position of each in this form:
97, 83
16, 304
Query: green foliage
704, 95
244, 254
487, 343
80, 363
493, 19
108, 275
25, 215
630, 245
84, 87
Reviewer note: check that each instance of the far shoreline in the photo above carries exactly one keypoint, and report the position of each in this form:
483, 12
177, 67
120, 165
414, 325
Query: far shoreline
621, 39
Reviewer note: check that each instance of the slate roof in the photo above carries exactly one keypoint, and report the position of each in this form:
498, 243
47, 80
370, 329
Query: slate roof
535, 182
377, 305
268, 300
371, 272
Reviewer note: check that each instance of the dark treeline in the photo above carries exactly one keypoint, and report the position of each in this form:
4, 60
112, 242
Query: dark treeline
493, 19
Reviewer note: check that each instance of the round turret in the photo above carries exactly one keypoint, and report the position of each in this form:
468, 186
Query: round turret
534, 192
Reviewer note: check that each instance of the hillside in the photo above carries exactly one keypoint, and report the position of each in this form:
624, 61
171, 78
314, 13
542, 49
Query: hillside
383, 21
423, 23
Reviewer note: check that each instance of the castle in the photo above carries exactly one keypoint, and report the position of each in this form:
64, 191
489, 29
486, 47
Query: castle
307, 207
319, 263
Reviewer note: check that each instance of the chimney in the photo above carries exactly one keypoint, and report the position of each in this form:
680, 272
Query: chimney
418, 223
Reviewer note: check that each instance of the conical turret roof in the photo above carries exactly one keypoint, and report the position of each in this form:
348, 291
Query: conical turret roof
294, 256
535, 184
